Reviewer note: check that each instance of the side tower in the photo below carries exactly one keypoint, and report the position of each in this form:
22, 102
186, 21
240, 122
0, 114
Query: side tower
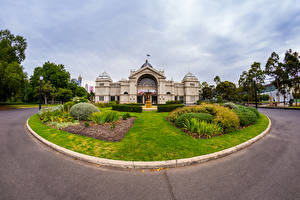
102, 88
191, 88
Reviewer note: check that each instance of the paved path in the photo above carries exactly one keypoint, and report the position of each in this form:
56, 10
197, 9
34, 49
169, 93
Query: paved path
269, 169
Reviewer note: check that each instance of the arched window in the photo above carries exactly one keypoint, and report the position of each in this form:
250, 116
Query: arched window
168, 92
125, 92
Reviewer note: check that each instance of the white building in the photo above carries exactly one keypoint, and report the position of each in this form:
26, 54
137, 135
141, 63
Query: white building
147, 79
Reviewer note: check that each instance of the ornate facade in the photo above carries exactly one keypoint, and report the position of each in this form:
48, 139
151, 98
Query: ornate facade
147, 79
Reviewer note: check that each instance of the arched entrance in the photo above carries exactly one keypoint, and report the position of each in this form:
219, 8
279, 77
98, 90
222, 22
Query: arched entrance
146, 83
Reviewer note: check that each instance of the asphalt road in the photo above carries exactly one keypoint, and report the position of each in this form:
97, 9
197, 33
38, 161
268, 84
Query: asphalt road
268, 169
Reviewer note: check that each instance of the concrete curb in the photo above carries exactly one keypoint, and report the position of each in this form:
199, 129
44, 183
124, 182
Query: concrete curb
150, 164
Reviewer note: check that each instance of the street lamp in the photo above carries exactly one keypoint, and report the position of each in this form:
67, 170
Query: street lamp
255, 91
41, 79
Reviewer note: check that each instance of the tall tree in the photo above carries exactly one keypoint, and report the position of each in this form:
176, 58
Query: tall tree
277, 70
292, 63
12, 77
56, 74
227, 90
217, 80
207, 91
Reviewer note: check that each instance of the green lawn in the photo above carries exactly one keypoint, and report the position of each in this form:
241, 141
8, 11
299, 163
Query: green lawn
151, 138
20, 106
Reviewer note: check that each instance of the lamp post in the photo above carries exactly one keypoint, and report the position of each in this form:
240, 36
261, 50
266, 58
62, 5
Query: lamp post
255, 91
40, 98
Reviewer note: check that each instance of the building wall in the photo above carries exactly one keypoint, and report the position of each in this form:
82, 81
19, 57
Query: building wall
126, 90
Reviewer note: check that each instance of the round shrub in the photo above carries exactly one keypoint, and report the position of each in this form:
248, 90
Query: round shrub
188, 116
82, 111
230, 105
254, 110
246, 115
221, 115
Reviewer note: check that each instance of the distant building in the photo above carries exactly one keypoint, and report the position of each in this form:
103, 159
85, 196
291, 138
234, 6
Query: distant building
79, 80
86, 87
144, 80
271, 90
91, 89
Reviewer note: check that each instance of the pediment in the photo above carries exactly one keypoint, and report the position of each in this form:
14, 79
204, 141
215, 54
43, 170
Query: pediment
147, 70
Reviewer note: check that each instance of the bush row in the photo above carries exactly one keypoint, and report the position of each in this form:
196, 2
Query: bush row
247, 115
127, 108
168, 107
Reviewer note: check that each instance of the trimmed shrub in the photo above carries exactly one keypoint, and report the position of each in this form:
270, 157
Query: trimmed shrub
82, 111
246, 115
168, 107
126, 116
59, 116
254, 110
202, 128
230, 105
127, 108
104, 117
179, 122
173, 102
223, 116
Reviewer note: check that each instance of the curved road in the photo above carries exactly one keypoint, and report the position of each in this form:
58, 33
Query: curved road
268, 169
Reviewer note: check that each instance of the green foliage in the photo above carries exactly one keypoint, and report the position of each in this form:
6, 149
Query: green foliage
50, 109
179, 122
264, 97
57, 115
12, 80
86, 124
202, 128
168, 107
60, 125
64, 94
104, 117
102, 105
254, 110
126, 116
226, 118
207, 92
127, 108
173, 102
227, 90
80, 99
219, 99
246, 115
12, 48
82, 111
67, 106
230, 105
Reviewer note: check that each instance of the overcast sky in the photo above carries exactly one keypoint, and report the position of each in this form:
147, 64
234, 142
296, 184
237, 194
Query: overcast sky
207, 38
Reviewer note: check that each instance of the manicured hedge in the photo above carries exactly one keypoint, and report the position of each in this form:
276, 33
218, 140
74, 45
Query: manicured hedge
128, 108
247, 115
173, 102
168, 107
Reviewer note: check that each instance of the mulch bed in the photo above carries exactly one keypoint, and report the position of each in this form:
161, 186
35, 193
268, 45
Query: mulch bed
104, 131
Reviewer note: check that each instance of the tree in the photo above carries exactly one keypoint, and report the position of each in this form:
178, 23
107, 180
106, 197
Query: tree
12, 48
217, 80
292, 63
52, 72
12, 77
277, 70
12, 80
227, 90
47, 91
207, 91
64, 95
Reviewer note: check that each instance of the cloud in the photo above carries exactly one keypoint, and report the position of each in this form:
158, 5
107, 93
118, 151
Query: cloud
208, 38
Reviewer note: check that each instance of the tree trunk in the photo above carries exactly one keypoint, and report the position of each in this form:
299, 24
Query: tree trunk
278, 94
45, 98
52, 100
